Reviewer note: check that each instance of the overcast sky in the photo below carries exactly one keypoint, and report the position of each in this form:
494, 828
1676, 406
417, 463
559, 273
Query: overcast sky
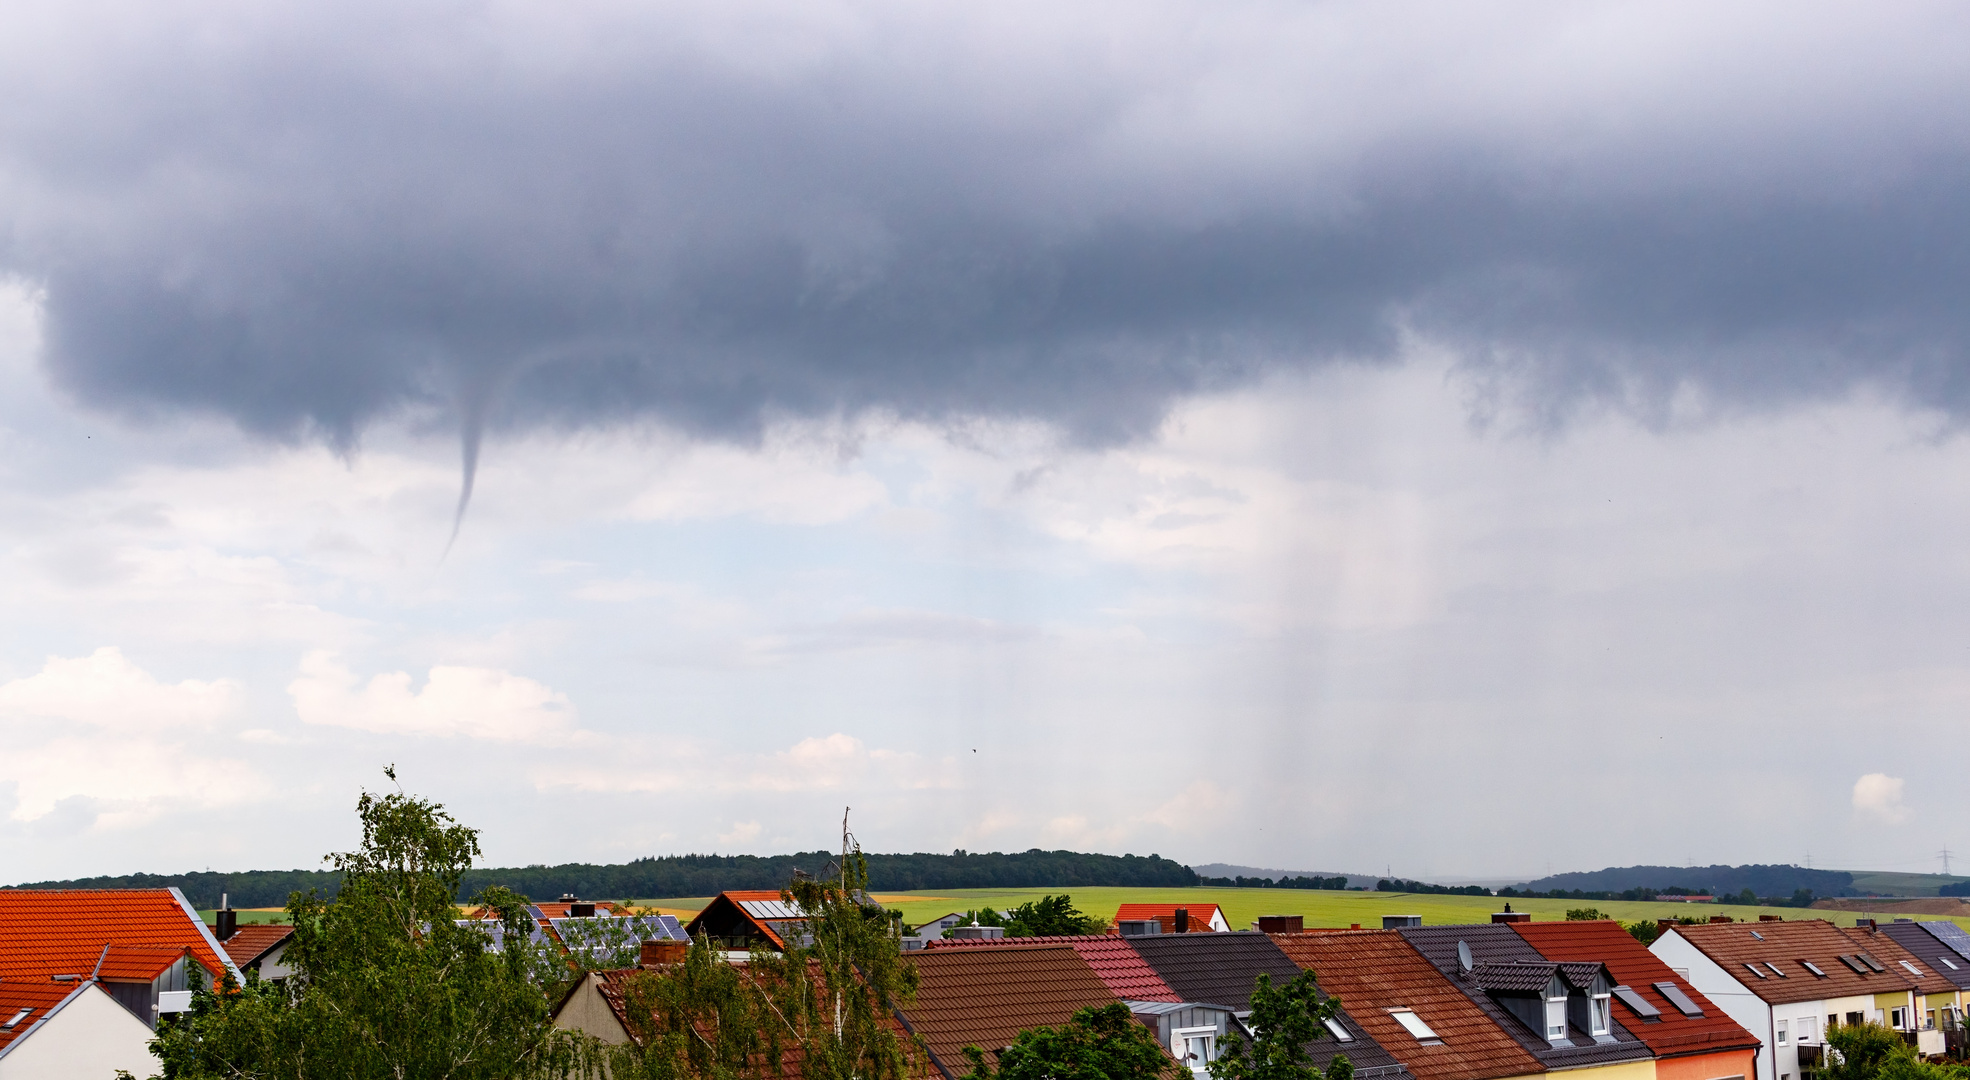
1461, 441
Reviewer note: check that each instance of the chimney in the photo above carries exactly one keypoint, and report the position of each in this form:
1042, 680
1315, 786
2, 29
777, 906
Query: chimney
228, 919
1281, 924
1183, 920
1721, 918
1393, 922
1511, 916
1868, 923
657, 953
1771, 918
1662, 925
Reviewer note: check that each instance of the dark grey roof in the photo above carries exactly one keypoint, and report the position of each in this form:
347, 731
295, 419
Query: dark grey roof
1521, 976
1949, 934
1221, 969
1496, 944
1936, 954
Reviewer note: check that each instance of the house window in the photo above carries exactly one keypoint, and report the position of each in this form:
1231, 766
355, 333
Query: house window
1929, 1020
1339, 1030
1898, 1019
1780, 1033
1556, 1018
1195, 1047
1878, 1017
1600, 1015
1803, 1030
1413, 1024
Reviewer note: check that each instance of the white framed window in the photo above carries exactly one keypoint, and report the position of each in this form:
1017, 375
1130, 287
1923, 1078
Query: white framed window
1600, 1015
1779, 1032
1898, 1019
1339, 1030
1804, 1029
1929, 1020
1413, 1024
1195, 1047
1555, 1018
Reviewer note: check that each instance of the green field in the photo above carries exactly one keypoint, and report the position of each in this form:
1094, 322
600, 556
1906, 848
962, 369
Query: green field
1243, 906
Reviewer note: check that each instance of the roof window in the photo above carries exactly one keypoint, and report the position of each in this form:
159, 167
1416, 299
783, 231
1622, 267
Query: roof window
1870, 961
1339, 1029
1677, 998
1812, 967
1853, 963
1755, 970
1912, 969
1772, 966
1636, 1002
1757, 935
1414, 1025
15, 1020
1947, 963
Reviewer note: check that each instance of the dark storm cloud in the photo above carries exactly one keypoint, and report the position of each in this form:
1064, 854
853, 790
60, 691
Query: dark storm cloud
307, 223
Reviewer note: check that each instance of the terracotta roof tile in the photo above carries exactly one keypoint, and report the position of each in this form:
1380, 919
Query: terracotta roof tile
1632, 965
1732, 945
1925, 979
47, 932
255, 940
1113, 960
986, 997
38, 999
1374, 971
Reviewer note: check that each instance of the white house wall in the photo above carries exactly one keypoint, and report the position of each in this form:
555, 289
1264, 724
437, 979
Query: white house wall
89, 1036
1723, 989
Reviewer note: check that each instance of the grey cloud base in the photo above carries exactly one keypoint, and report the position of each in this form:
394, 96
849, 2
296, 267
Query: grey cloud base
308, 247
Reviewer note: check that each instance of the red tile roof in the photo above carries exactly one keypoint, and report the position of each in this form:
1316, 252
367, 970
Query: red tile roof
986, 997
1925, 979
39, 998
1200, 915
255, 940
47, 932
1632, 965
1790, 944
1373, 971
1113, 960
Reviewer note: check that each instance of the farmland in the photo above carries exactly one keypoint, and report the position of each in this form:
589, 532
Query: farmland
1321, 908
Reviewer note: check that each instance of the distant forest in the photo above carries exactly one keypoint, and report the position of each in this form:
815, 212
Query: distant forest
698, 875
1707, 880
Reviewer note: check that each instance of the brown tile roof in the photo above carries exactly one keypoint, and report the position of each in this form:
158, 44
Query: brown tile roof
47, 932
251, 942
1373, 971
1632, 965
1925, 979
1113, 960
986, 997
1789, 944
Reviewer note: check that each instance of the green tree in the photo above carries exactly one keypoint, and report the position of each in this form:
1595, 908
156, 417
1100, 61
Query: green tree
1858, 1051
829, 997
1285, 1021
1584, 914
1098, 1043
1050, 915
387, 984
1643, 930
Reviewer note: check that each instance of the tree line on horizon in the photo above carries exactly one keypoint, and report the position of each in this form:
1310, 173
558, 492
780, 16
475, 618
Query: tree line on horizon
696, 875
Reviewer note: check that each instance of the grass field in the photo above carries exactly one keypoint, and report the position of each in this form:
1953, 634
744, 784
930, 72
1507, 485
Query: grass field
1243, 906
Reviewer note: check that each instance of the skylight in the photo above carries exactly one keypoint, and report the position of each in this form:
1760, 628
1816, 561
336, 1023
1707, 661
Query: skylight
1635, 1002
1677, 998
1870, 961
15, 1021
1853, 963
1413, 1024
1912, 969
1947, 963
1772, 966
1755, 970
1812, 967
1340, 1030
1757, 935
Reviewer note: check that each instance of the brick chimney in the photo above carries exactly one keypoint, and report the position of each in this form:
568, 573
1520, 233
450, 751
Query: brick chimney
658, 953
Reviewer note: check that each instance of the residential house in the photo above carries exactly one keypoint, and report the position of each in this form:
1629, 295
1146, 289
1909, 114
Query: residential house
742, 919
58, 1030
1784, 981
1174, 918
1408, 1007
1922, 944
1704, 1044
142, 944
1560, 1012
1223, 969
985, 997
1912, 1010
260, 948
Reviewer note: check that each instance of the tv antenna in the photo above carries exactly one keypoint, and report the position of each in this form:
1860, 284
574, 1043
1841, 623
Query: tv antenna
1464, 957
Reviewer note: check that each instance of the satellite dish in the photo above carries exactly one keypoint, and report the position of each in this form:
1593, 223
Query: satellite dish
1464, 957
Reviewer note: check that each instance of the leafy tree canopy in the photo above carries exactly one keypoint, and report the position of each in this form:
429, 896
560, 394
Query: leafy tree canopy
1099, 1043
1050, 915
1287, 1019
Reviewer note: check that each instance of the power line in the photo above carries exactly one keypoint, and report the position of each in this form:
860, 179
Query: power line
1945, 854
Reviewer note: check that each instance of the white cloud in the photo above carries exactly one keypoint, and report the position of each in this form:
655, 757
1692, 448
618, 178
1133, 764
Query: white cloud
481, 703
106, 690
1880, 796
742, 832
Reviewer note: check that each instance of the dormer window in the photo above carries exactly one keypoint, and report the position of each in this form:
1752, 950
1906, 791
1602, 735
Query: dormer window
1600, 1015
1556, 1011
